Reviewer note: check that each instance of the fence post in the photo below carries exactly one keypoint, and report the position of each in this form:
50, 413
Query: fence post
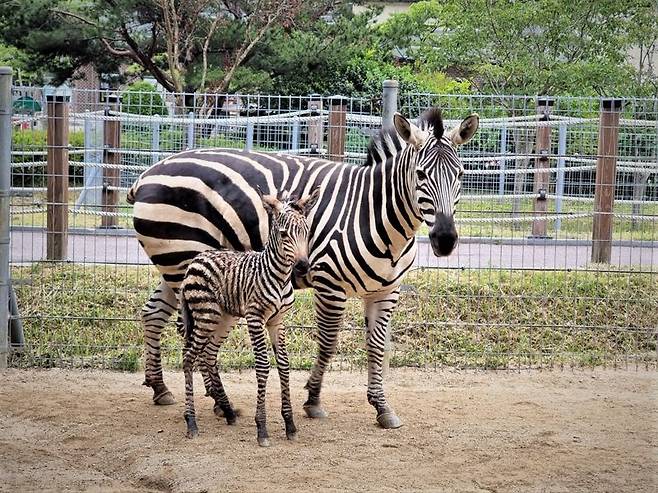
190, 131
315, 131
337, 128
503, 161
389, 102
294, 144
559, 184
111, 143
57, 195
606, 173
543, 149
155, 141
5, 187
249, 144
92, 180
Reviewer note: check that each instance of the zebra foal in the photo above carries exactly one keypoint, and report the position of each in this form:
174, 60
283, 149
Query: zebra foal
221, 286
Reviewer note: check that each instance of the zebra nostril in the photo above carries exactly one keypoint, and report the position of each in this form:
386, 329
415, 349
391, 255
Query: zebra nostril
302, 267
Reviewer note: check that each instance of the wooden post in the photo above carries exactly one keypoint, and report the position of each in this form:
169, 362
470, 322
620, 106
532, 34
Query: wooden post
315, 131
57, 195
543, 149
606, 173
337, 128
111, 143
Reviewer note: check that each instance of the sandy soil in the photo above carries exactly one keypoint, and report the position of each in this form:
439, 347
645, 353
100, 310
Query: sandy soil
464, 431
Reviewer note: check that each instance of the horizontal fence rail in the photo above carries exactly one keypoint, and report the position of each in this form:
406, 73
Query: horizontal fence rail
557, 223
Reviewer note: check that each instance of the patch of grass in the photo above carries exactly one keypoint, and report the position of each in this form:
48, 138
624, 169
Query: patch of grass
87, 315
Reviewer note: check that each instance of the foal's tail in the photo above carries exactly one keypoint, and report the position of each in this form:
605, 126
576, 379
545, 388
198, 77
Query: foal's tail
186, 316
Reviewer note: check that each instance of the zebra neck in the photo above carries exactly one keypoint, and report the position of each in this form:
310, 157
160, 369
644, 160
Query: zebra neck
402, 218
275, 263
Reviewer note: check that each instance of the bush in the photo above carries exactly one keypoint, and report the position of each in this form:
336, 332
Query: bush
142, 98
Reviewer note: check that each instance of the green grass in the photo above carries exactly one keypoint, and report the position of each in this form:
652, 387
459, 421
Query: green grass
85, 315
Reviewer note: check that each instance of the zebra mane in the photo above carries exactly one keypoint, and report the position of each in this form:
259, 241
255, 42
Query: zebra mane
432, 118
384, 143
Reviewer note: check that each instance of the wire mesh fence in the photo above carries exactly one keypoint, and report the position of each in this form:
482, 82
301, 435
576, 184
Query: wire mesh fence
557, 223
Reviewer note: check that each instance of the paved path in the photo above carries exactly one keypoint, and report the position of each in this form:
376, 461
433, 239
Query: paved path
100, 247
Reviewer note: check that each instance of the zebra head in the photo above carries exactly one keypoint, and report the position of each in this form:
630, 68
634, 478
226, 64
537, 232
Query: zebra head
289, 228
438, 171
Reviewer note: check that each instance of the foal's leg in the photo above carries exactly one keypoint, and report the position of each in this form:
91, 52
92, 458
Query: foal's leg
204, 322
278, 338
215, 387
257, 336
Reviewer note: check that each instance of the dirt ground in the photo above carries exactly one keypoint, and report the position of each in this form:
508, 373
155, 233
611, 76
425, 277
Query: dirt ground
464, 431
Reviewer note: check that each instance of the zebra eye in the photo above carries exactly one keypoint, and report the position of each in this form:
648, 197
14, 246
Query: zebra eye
421, 174
283, 233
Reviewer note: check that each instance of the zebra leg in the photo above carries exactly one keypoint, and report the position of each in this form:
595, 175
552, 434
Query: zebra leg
214, 387
257, 336
378, 311
329, 310
278, 338
155, 314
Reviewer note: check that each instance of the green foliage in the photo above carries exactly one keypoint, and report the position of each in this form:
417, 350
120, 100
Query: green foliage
536, 47
142, 98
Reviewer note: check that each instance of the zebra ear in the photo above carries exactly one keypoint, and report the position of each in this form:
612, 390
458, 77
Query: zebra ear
271, 204
409, 132
307, 203
464, 132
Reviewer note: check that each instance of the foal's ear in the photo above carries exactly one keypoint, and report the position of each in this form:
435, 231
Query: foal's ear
307, 203
409, 132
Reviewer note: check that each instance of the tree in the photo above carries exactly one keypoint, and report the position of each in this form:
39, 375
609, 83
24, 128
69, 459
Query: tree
172, 40
542, 47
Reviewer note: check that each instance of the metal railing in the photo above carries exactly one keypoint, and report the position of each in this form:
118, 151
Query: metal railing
558, 216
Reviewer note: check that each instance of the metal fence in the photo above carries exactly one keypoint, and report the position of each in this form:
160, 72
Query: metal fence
555, 267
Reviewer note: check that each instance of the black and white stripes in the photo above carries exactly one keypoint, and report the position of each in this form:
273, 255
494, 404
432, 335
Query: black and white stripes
361, 238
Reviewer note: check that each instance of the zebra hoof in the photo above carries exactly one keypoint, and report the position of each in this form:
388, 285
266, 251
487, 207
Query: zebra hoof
315, 411
264, 442
389, 421
292, 436
165, 398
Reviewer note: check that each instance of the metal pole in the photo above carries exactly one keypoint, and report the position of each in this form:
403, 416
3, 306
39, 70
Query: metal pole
315, 131
294, 145
503, 161
389, 102
155, 142
190, 131
5, 185
249, 145
559, 185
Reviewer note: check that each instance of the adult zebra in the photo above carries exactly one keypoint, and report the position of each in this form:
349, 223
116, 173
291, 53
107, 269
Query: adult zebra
362, 231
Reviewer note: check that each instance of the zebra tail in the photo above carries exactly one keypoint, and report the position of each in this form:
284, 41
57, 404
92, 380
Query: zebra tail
130, 196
